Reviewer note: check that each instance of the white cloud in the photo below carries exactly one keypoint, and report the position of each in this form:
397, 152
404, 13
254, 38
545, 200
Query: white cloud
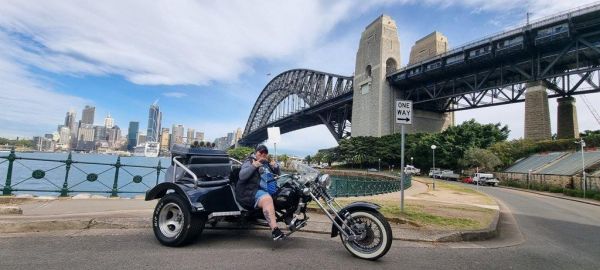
306, 141
28, 103
165, 42
175, 94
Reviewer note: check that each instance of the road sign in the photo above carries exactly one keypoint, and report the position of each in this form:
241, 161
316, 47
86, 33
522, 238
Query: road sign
274, 134
403, 112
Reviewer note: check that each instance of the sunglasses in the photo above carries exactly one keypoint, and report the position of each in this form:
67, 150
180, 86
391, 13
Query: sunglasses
263, 152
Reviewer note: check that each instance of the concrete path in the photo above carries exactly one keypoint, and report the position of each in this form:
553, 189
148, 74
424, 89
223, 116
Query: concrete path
63, 214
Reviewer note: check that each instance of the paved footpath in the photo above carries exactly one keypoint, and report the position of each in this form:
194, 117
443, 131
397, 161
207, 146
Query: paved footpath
65, 214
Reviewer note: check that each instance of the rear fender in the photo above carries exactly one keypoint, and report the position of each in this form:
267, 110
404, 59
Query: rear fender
161, 189
366, 206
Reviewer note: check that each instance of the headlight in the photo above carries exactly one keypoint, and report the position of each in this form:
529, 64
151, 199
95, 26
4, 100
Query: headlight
325, 181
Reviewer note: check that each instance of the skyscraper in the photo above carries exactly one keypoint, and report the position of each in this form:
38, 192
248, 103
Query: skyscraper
132, 133
177, 134
238, 135
190, 135
154, 118
229, 141
88, 115
71, 123
109, 122
199, 136
70, 119
164, 140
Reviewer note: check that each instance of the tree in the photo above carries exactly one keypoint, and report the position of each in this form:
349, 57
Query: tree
328, 157
318, 157
284, 158
482, 158
308, 159
240, 153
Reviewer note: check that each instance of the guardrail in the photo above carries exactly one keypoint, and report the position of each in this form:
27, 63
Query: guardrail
71, 183
345, 186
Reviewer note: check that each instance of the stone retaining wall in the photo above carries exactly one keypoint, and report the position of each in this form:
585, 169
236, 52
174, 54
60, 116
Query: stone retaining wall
563, 181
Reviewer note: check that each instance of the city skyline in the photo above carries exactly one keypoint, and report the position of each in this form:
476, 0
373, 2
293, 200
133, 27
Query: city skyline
213, 89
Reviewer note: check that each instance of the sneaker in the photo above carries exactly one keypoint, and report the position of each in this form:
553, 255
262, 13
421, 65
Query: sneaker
277, 234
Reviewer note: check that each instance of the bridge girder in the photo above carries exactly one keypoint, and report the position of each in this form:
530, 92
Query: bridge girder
324, 96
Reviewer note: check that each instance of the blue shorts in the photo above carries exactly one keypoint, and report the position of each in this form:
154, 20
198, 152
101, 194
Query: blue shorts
259, 194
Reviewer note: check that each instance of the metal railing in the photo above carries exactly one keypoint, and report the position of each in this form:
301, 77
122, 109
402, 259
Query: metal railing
348, 186
75, 174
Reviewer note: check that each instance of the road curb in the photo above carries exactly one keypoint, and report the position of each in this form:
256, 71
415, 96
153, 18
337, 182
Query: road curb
551, 195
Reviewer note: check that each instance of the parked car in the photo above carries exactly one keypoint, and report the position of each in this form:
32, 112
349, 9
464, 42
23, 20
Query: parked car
468, 180
449, 175
411, 170
485, 179
433, 172
372, 170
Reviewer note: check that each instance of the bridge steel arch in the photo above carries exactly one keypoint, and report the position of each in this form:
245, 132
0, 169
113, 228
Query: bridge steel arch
327, 97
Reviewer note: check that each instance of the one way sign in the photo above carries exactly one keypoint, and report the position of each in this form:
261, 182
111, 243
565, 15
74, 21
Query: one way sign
403, 112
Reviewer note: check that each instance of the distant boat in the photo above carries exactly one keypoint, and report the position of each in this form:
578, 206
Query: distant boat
148, 149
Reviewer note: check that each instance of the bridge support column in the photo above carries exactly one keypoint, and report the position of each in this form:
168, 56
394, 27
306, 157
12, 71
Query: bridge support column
537, 114
428, 122
567, 127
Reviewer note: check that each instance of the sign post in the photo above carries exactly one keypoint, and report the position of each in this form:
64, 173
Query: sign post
403, 117
274, 137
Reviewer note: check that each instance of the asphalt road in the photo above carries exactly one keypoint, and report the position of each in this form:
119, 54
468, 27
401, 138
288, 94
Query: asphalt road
541, 233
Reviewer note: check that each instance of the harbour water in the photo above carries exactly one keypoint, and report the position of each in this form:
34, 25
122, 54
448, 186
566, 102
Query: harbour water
83, 177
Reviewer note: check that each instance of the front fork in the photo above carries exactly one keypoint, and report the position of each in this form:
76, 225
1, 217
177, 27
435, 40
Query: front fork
333, 206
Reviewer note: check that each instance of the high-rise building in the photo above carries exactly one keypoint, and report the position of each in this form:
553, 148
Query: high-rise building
109, 122
190, 135
85, 140
238, 135
230, 138
70, 119
199, 136
164, 140
154, 118
132, 133
114, 137
100, 133
73, 125
64, 135
142, 138
88, 115
177, 135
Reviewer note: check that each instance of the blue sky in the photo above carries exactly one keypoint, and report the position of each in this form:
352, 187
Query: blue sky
207, 61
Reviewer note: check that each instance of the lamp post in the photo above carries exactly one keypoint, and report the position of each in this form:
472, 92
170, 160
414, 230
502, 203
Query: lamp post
379, 164
582, 143
411, 161
433, 147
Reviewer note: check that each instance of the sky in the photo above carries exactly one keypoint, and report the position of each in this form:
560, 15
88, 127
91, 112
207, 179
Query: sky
206, 62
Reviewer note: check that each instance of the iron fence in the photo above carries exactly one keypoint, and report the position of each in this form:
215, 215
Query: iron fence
111, 178
349, 187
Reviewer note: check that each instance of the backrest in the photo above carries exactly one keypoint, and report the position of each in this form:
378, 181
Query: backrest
214, 171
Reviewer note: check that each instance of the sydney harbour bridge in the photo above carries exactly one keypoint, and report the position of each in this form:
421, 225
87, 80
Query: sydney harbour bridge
559, 54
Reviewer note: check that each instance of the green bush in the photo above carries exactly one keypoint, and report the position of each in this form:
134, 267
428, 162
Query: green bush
556, 189
573, 192
597, 196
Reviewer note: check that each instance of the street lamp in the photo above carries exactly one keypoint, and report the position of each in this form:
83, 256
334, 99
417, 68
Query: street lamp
379, 164
433, 147
411, 161
582, 143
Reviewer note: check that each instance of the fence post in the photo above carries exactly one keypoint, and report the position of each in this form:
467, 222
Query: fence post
158, 172
64, 192
11, 158
115, 187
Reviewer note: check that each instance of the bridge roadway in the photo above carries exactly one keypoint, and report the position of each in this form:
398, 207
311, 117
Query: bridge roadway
536, 232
